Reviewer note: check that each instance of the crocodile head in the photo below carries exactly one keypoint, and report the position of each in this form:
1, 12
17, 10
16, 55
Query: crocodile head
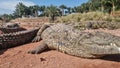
100, 43
11, 25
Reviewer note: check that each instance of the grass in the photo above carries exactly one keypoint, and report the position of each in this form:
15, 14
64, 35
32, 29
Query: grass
78, 17
99, 19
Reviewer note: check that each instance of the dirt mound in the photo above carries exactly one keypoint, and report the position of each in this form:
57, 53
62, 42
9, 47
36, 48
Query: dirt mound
31, 22
34, 19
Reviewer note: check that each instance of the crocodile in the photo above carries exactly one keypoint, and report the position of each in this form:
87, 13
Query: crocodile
68, 40
11, 27
13, 35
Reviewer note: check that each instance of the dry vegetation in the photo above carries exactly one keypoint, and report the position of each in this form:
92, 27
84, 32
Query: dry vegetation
98, 19
77, 17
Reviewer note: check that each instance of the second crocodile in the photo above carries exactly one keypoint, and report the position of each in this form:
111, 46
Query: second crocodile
14, 35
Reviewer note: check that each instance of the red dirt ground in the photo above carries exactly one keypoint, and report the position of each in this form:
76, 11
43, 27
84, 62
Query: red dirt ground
17, 57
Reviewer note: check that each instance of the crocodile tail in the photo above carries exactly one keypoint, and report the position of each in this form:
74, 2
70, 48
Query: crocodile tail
17, 38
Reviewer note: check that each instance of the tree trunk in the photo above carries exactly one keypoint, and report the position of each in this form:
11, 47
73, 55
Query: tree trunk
36, 14
51, 18
113, 7
62, 12
102, 8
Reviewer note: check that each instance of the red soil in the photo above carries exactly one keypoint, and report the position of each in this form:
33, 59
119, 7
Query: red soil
17, 57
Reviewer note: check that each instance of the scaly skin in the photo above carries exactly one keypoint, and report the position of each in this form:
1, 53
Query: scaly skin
14, 35
17, 38
10, 28
69, 40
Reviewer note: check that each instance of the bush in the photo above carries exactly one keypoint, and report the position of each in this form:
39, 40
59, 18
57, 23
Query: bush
103, 24
78, 17
98, 20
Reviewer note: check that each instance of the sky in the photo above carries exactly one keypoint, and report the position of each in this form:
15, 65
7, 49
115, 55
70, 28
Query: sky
8, 6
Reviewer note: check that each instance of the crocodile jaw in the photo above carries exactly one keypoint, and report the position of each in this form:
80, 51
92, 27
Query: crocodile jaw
116, 46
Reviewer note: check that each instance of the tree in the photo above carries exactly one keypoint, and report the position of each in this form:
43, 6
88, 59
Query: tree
102, 2
6, 17
34, 10
113, 3
62, 7
52, 11
21, 10
104, 5
83, 8
69, 10
42, 9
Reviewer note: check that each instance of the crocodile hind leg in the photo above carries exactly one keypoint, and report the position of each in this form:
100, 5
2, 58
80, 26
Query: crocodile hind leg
38, 49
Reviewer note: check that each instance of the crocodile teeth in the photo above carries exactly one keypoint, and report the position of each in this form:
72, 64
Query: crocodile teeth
119, 49
113, 44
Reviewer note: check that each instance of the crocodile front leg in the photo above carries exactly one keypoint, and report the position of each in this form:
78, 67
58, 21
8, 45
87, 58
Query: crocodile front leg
38, 37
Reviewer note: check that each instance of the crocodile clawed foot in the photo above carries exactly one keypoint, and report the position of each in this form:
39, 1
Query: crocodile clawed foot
38, 49
36, 39
33, 51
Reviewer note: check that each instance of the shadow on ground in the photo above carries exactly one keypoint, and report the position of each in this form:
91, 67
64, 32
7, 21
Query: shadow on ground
2, 51
115, 58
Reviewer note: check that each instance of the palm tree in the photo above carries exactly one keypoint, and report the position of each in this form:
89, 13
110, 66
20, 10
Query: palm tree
34, 10
102, 2
69, 9
52, 11
42, 9
62, 7
31, 8
113, 3
21, 9
83, 8
6, 17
